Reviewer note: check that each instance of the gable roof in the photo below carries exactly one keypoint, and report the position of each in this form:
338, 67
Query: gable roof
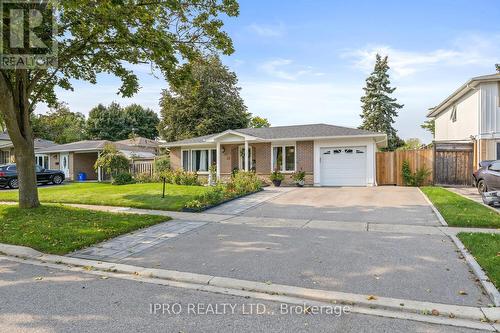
140, 141
39, 143
465, 88
311, 131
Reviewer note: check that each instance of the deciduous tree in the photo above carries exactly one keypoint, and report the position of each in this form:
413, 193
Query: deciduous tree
59, 125
207, 100
105, 36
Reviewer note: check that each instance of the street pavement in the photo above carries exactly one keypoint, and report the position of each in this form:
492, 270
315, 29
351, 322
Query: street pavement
40, 299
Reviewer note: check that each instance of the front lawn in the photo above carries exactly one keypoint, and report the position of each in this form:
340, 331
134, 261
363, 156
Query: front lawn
135, 195
486, 249
60, 229
461, 212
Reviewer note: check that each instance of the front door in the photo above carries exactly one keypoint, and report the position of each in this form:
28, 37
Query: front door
64, 164
241, 153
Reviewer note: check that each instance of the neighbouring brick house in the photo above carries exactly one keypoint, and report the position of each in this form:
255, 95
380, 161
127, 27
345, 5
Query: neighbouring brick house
7, 150
80, 157
330, 155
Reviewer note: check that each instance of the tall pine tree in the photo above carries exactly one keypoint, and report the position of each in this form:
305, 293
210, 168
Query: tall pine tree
379, 108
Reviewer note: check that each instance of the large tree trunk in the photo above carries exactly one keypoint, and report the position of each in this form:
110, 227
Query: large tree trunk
25, 161
14, 105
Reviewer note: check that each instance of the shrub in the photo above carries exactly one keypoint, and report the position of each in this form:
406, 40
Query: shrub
413, 179
112, 161
122, 179
180, 177
245, 182
241, 183
162, 164
145, 178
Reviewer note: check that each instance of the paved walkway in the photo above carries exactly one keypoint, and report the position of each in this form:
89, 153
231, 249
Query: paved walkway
241, 205
133, 243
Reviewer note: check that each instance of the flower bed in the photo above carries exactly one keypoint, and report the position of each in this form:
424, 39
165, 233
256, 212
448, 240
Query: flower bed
241, 184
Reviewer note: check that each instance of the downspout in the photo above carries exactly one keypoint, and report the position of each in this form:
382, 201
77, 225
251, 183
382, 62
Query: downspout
479, 129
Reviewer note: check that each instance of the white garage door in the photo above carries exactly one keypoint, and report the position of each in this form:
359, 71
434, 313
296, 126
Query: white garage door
343, 166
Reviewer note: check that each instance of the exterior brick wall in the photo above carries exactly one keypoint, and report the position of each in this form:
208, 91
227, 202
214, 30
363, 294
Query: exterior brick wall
84, 162
175, 158
262, 156
305, 156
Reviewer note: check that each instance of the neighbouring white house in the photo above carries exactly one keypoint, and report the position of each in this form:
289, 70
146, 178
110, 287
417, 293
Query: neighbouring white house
471, 114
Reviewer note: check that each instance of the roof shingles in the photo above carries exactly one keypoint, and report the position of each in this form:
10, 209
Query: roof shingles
287, 132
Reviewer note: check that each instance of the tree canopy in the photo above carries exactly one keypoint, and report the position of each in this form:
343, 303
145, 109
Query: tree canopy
105, 36
59, 125
379, 108
116, 123
430, 125
259, 122
205, 101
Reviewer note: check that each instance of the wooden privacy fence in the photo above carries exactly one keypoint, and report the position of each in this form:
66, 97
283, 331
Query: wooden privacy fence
389, 165
453, 163
142, 167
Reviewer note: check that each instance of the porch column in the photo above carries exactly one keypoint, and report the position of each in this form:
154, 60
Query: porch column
246, 155
99, 172
218, 160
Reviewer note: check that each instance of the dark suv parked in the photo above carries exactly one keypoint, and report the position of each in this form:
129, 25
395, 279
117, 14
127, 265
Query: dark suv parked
487, 177
8, 176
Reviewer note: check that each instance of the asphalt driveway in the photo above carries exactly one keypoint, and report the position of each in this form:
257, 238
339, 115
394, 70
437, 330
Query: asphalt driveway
398, 205
309, 237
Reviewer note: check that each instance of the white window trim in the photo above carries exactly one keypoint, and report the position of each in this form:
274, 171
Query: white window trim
190, 159
283, 157
241, 166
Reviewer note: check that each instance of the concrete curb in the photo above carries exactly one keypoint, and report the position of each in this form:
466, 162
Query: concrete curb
434, 209
490, 288
468, 313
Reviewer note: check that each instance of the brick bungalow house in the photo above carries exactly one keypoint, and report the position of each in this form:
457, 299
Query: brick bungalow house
7, 150
80, 157
330, 155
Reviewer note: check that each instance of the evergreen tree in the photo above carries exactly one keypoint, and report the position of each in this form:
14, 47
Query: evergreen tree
379, 108
207, 100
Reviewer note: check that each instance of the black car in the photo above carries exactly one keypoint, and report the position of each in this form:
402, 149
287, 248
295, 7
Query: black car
8, 176
487, 177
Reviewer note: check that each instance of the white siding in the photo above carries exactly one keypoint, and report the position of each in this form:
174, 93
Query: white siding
490, 115
467, 122
370, 145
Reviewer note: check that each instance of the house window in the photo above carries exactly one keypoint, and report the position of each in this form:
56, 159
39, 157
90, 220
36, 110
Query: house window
185, 160
4, 157
283, 158
198, 160
454, 114
498, 150
42, 161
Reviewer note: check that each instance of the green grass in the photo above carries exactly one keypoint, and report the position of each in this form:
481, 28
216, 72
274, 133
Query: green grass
461, 212
60, 229
135, 195
486, 249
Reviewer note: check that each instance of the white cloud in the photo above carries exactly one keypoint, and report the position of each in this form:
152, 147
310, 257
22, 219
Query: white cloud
268, 30
464, 51
285, 69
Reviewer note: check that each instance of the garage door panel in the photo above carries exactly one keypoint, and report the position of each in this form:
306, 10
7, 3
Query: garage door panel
343, 166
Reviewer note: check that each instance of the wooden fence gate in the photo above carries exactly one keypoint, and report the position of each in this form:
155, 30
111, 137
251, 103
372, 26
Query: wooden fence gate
453, 163
389, 165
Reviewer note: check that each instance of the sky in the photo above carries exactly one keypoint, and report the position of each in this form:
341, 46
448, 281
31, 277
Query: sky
302, 62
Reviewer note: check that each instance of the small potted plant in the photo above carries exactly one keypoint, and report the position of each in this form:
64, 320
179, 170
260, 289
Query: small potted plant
277, 177
299, 178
